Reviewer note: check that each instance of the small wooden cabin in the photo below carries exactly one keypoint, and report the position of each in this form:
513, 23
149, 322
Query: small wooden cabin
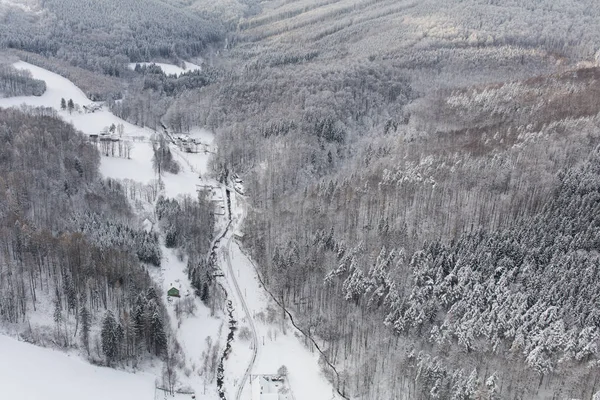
173, 292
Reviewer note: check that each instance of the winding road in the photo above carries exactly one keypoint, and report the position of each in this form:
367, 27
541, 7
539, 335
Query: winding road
248, 316
230, 277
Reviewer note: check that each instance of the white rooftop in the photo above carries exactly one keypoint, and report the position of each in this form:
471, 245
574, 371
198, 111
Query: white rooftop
267, 387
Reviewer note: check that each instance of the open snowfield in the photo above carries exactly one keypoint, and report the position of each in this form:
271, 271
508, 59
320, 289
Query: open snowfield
28, 6
29, 372
170, 69
59, 87
193, 165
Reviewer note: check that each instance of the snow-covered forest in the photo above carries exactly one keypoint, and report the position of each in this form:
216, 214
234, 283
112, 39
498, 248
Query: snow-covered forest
69, 242
412, 207
19, 83
421, 177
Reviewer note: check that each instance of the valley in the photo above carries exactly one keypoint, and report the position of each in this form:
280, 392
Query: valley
263, 351
312, 199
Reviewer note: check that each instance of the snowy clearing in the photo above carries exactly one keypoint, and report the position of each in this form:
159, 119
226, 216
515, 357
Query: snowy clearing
169, 69
29, 372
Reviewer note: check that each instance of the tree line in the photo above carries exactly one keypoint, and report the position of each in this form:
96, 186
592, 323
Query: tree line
14, 82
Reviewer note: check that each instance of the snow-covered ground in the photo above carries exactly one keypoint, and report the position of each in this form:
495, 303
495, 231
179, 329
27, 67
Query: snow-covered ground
198, 332
192, 330
58, 88
28, 372
139, 166
28, 6
275, 349
170, 69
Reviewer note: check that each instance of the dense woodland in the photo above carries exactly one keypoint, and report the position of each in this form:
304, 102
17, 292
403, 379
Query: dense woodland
423, 175
70, 240
411, 206
74, 251
74, 36
150, 97
481, 200
189, 224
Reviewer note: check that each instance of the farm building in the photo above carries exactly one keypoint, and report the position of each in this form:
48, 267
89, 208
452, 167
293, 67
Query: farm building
270, 387
93, 107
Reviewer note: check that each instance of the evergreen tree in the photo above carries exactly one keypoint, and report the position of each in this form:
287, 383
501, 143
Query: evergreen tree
120, 340
205, 295
57, 315
70, 105
63, 104
158, 338
109, 336
85, 328
147, 248
139, 323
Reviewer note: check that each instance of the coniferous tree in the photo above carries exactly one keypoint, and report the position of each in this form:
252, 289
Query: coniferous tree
157, 336
58, 316
139, 323
85, 328
109, 336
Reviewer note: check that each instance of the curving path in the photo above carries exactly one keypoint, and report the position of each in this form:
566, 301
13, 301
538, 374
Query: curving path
224, 241
250, 322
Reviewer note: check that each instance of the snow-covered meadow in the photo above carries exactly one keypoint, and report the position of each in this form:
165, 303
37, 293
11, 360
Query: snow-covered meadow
169, 69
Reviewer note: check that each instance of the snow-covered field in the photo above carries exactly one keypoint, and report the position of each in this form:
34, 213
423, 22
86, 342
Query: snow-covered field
170, 69
28, 372
198, 332
59, 88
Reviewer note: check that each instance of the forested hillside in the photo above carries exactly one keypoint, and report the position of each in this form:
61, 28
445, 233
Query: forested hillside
71, 37
422, 177
411, 166
71, 246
